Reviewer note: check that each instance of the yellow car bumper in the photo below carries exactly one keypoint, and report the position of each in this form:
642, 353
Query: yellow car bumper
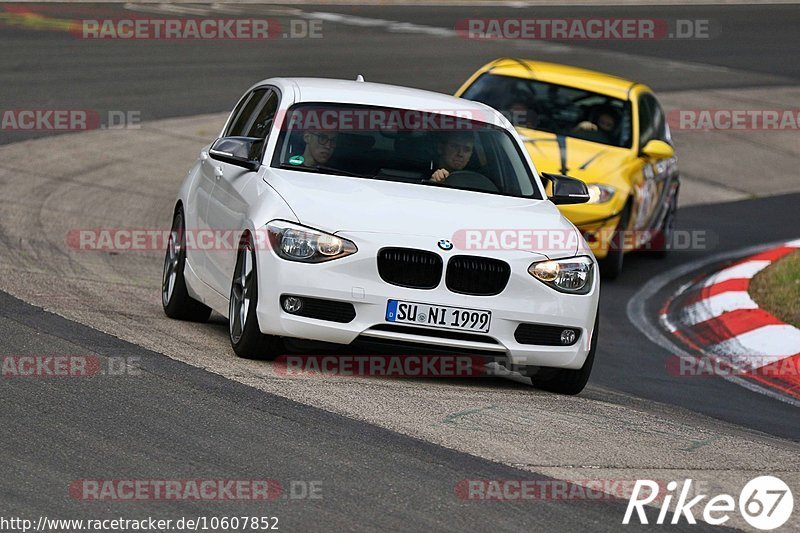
597, 223
598, 235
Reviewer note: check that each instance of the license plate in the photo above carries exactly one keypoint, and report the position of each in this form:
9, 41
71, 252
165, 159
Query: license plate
438, 316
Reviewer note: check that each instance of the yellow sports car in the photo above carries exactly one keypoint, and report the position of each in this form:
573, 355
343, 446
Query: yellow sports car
607, 131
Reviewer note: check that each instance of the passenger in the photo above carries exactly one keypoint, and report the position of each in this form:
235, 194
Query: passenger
320, 146
605, 123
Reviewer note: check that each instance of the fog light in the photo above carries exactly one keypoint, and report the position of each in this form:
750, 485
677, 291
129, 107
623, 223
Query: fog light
293, 304
567, 336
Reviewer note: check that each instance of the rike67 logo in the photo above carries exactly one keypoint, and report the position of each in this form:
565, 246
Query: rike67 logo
765, 503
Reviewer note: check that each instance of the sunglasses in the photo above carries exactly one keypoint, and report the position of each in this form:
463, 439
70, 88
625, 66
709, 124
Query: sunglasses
325, 139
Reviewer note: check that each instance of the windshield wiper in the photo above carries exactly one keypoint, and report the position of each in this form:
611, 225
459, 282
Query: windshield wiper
323, 168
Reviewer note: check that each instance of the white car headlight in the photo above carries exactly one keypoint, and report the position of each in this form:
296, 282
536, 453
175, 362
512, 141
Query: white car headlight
573, 275
307, 245
600, 194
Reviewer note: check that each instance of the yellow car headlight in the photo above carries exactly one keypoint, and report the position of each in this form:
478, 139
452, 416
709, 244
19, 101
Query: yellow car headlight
599, 193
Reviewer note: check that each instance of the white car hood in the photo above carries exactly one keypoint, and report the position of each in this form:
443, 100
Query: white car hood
339, 204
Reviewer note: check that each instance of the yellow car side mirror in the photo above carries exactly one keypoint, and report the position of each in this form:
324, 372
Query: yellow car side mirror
656, 149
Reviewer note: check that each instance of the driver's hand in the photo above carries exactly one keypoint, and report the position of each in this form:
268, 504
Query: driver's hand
440, 175
586, 125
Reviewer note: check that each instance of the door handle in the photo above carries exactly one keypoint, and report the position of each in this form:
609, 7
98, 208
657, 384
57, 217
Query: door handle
218, 172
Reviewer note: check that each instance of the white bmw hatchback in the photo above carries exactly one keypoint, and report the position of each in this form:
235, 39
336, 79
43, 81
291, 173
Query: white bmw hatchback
367, 211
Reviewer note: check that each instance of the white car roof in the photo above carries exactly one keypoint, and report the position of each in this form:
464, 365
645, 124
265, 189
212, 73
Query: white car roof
379, 94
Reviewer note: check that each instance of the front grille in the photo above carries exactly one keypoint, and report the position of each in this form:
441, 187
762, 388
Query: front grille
329, 310
406, 267
442, 334
479, 276
543, 335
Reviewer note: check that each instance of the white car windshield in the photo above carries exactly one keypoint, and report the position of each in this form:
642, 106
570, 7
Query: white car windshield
407, 146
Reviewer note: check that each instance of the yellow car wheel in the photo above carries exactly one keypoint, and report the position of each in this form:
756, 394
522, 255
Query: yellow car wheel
663, 239
611, 264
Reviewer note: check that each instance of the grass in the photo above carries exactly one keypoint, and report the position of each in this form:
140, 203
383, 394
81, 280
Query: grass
777, 289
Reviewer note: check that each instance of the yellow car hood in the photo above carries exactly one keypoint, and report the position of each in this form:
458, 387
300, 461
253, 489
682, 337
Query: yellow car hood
589, 161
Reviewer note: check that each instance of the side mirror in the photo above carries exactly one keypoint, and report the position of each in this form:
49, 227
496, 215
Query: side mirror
656, 149
240, 151
567, 190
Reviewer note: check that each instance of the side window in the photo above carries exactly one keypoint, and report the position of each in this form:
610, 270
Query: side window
646, 125
626, 128
652, 121
238, 125
660, 121
260, 121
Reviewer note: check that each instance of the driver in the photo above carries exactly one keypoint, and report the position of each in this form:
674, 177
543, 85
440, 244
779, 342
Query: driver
520, 115
453, 153
320, 146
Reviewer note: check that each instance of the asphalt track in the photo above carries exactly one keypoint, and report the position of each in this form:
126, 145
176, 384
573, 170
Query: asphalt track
175, 421
169, 79
388, 464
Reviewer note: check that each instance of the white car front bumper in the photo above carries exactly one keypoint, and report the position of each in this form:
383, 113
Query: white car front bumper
355, 279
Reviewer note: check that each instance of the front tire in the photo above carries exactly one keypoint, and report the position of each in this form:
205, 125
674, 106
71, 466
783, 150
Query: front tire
611, 264
564, 380
175, 297
246, 338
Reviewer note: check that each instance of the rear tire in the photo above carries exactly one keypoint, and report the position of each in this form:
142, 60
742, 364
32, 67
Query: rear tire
611, 264
246, 338
175, 297
563, 380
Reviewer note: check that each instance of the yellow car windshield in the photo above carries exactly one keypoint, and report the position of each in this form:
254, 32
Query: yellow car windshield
556, 109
